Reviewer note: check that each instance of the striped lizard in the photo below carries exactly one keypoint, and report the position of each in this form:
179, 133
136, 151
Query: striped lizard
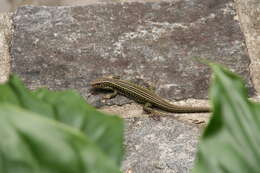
142, 95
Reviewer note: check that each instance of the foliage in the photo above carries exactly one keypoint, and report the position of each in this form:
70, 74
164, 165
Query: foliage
47, 131
231, 140
57, 132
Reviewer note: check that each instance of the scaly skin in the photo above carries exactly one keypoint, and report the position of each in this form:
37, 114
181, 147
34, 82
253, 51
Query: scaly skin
143, 96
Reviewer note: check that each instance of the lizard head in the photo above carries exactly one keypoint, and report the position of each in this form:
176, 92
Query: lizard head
102, 83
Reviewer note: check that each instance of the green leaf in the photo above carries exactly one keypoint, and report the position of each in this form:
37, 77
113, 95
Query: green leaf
31, 143
15, 92
231, 141
69, 108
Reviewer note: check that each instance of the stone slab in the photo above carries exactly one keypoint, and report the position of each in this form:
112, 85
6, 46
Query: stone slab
249, 16
159, 146
67, 47
5, 40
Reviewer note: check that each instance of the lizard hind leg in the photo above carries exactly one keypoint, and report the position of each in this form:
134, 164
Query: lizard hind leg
148, 108
154, 114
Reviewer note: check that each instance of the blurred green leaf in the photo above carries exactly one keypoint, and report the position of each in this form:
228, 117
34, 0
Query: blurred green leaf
31, 143
231, 140
69, 108
13, 91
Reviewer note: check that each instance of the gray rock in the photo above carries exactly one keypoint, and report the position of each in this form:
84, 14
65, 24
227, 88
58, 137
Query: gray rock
67, 47
159, 146
248, 12
5, 39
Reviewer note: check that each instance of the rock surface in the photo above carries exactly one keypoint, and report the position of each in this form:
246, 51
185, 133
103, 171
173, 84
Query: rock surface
5, 39
249, 15
67, 47
159, 146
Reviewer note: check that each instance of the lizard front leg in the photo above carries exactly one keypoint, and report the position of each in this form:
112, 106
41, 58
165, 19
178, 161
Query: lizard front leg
110, 96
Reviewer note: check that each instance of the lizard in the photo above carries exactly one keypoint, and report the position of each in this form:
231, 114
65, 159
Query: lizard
142, 95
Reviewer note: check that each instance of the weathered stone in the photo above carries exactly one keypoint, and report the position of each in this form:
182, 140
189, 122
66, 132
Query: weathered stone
5, 39
159, 146
66, 47
249, 15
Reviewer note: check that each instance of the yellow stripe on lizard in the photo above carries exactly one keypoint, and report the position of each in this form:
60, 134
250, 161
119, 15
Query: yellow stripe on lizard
142, 95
